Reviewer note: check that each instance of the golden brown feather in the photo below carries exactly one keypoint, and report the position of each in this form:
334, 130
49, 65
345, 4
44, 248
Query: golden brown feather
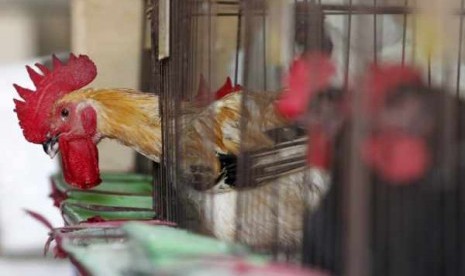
132, 118
129, 116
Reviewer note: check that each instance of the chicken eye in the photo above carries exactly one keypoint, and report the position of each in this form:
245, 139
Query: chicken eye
64, 113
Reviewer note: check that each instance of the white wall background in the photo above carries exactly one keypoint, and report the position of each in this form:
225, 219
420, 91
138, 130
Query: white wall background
24, 172
28, 28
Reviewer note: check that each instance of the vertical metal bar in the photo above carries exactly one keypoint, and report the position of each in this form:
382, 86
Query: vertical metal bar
356, 255
157, 201
449, 164
295, 26
258, 212
238, 45
164, 25
209, 35
210, 71
166, 121
404, 32
349, 36
451, 234
322, 32
171, 98
414, 35
243, 178
375, 32
356, 241
459, 58
190, 68
459, 180
306, 24
429, 71
264, 49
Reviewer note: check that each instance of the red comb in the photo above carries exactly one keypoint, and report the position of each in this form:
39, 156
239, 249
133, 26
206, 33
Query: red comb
307, 75
381, 80
227, 89
50, 85
203, 92
202, 98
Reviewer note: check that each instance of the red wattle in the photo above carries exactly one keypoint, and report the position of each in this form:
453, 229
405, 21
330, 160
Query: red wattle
319, 148
79, 157
398, 158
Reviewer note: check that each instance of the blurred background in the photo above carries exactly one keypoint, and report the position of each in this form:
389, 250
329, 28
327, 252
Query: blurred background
30, 31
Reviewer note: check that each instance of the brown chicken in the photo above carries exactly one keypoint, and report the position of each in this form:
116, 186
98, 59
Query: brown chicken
78, 119
132, 118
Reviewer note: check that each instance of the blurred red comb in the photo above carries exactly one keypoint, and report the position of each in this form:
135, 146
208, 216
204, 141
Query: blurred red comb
50, 85
380, 80
227, 89
203, 92
307, 75
396, 155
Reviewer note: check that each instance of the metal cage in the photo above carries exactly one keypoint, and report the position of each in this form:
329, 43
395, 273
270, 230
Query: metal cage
253, 42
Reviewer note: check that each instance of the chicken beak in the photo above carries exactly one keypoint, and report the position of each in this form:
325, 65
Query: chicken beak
51, 146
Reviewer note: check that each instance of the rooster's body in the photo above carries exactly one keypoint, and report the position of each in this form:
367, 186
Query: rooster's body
132, 118
63, 116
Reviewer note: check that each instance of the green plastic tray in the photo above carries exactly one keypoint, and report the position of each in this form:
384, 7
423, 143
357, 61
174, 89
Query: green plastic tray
121, 196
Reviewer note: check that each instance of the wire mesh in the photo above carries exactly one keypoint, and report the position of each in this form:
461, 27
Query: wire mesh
362, 226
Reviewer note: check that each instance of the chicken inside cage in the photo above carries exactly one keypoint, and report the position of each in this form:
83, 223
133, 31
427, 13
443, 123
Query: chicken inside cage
322, 133
250, 142
380, 113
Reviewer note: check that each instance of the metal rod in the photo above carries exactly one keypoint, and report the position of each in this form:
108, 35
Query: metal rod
355, 199
459, 58
238, 47
375, 33
404, 33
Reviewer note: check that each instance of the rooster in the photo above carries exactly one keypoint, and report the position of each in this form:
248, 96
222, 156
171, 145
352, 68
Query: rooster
411, 148
63, 116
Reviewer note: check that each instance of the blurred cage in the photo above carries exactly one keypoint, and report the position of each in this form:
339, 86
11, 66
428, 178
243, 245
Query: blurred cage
364, 226
254, 41
217, 40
